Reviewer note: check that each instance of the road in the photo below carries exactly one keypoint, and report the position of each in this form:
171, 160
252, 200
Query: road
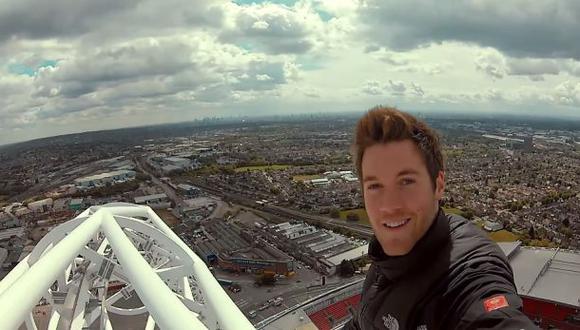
302, 287
167, 189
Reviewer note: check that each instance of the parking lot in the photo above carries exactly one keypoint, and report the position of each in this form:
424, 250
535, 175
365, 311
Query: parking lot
306, 284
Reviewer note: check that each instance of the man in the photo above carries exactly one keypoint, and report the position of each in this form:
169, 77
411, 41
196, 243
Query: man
430, 270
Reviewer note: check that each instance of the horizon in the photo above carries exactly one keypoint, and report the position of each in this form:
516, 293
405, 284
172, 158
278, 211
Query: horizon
85, 66
279, 117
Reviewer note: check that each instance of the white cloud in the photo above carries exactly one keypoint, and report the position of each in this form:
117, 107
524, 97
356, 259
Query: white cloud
373, 88
101, 65
397, 87
491, 62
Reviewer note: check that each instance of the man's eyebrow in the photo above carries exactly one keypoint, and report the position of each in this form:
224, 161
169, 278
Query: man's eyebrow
407, 171
369, 178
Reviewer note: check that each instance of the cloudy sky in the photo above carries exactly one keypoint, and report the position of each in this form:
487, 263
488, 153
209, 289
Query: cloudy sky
76, 65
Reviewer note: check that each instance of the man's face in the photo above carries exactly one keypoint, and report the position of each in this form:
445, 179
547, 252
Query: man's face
398, 194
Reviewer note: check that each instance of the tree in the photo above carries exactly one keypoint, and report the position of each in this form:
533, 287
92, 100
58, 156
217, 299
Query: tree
532, 233
346, 268
468, 214
334, 213
566, 222
351, 216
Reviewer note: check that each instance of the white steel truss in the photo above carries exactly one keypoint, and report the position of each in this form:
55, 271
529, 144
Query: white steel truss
73, 266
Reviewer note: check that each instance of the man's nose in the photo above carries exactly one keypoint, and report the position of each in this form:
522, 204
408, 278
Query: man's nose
391, 203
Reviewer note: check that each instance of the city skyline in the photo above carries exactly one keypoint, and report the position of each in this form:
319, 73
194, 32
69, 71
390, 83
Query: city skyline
73, 67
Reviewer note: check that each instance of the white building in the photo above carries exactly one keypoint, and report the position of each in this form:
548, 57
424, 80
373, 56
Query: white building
157, 201
297, 231
320, 182
170, 164
100, 180
43, 205
492, 226
178, 162
333, 262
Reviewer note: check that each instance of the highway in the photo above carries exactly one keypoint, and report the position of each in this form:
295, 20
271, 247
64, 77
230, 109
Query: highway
169, 191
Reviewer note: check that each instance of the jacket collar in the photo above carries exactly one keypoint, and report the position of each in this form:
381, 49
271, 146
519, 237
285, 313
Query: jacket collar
422, 254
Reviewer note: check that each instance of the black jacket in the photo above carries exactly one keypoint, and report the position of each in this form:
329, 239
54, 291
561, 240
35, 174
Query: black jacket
453, 278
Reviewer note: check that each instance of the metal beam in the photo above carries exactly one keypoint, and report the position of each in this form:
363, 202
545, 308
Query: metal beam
151, 290
42, 274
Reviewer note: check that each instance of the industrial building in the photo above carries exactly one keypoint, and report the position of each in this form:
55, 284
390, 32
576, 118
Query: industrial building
189, 190
492, 226
43, 205
233, 248
8, 221
310, 244
165, 165
102, 179
156, 201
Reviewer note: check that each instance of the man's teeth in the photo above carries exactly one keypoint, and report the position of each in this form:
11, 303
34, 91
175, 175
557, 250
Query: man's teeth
396, 224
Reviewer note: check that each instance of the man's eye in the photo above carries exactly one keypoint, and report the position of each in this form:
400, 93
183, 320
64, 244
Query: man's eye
373, 186
406, 182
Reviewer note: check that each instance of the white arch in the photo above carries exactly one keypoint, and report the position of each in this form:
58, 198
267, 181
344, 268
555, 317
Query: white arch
164, 287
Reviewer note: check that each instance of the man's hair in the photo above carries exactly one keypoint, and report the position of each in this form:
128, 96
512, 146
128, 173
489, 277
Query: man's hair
385, 124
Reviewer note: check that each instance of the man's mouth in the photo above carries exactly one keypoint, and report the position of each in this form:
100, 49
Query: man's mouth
396, 224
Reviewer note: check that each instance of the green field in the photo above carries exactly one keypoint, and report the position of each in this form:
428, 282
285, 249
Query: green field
453, 210
451, 153
503, 236
500, 235
362, 214
262, 168
302, 178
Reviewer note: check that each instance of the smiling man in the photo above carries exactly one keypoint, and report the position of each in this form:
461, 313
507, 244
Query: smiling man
430, 270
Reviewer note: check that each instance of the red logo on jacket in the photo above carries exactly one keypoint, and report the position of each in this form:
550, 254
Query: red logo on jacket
494, 303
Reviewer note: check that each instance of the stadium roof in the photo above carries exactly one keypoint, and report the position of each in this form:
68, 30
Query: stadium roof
540, 273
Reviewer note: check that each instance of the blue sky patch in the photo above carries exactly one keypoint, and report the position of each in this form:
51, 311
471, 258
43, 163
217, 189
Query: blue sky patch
246, 46
22, 69
309, 64
324, 15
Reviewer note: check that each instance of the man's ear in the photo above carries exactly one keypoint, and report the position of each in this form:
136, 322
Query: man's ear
439, 185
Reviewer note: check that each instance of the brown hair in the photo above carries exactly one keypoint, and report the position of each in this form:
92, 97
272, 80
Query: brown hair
385, 124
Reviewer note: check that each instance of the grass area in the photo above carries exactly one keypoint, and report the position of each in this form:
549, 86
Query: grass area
451, 153
302, 178
3, 200
500, 235
454, 210
503, 236
168, 217
274, 167
362, 214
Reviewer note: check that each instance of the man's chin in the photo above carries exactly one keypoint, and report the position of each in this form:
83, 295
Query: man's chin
396, 250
